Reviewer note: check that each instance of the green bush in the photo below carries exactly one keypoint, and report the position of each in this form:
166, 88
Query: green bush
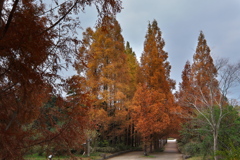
122, 147
107, 149
103, 143
231, 153
191, 149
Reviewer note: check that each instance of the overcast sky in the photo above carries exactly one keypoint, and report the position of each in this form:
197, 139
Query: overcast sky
180, 22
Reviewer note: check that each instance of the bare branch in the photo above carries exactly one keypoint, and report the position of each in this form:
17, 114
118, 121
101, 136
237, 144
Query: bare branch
56, 23
9, 19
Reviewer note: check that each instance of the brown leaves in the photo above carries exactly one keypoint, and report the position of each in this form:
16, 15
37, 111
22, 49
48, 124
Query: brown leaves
31, 47
153, 102
149, 113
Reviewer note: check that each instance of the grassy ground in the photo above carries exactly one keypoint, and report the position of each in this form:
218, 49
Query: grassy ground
37, 157
195, 158
149, 156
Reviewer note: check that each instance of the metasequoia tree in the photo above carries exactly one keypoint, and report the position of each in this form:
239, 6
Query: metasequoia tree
104, 65
133, 67
206, 92
154, 74
149, 113
206, 86
185, 88
33, 39
155, 69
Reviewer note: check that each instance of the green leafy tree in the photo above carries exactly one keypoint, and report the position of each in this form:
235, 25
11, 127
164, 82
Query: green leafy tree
197, 137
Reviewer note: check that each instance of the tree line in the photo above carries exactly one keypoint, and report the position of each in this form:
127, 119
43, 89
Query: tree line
113, 99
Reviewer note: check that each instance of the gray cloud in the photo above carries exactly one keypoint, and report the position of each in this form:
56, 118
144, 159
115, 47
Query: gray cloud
181, 21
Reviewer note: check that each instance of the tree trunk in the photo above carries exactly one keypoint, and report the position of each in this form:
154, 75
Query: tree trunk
151, 148
215, 142
145, 149
88, 147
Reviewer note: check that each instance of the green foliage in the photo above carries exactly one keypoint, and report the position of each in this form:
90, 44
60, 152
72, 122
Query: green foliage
103, 143
159, 150
95, 155
191, 148
230, 131
107, 149
196, 137
104, 147
122, 147
230, 153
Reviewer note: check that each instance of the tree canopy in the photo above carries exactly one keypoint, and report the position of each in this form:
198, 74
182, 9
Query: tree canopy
34, 40
113, 99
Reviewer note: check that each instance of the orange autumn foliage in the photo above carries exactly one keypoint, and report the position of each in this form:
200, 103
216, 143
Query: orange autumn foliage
102, 60
185, 89
154, 76
149, 113
199, 81
33, 40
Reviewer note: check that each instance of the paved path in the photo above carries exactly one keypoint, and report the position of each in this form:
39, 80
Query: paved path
170, 153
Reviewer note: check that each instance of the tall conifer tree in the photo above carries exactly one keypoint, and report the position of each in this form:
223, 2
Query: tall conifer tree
106, 72
154, 65
185, 89
133, 67
154, 77
203, 66
204, 72
204, 92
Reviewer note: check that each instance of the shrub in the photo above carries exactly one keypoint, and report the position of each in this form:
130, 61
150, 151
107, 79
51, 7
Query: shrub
103, 143
191, 149
107, 149
231, 153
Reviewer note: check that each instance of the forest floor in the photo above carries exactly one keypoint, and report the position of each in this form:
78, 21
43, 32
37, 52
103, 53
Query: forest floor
170, 153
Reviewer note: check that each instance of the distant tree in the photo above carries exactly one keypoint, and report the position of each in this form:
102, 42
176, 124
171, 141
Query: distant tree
133, 66
185, 88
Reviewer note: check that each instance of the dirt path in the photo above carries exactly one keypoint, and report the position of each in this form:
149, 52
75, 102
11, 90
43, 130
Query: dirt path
170, 153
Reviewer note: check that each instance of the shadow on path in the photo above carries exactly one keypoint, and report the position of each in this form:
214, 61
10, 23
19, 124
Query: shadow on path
170, 153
